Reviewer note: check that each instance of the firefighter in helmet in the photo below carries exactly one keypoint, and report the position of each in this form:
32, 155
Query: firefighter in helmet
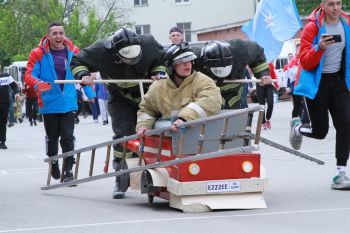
227, 61
192, 93
124, 55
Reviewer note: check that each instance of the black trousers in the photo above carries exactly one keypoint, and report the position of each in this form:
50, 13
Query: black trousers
59, 127
265, 95
123, 116
4, 112
334, 97
32, 108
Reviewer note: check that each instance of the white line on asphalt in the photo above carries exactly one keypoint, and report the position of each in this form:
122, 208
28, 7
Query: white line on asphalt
21, 171
173, 219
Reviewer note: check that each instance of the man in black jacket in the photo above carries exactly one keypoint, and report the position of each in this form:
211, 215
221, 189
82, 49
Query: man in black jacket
6, 82
228, 61
124, 55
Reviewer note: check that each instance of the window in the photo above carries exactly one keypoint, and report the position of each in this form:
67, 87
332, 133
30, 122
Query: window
186, 28
280, 63
182, 1
143, 29
140, 2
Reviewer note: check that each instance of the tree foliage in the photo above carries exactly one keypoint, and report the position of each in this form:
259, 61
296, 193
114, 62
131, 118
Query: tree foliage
23, 23
305, 7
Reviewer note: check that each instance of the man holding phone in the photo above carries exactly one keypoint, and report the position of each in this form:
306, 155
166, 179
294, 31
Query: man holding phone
324, 82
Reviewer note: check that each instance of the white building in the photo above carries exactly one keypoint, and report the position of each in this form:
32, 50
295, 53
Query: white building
200, 19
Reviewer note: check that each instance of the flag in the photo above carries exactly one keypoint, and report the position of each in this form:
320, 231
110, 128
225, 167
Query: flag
274, 22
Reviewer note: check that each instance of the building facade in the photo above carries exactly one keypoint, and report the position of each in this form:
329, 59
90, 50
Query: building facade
199, 19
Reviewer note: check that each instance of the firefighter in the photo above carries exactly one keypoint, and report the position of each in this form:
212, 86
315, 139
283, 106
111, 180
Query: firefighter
227, 60
124, 55
192, 93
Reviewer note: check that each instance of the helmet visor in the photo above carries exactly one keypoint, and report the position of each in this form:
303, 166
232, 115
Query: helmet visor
130, 55
219, 62
221, 72
184, 57
130, 52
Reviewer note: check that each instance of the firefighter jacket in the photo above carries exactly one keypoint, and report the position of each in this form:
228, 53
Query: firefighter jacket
243, 53
97, 58
196, 97
41, 68
312, 57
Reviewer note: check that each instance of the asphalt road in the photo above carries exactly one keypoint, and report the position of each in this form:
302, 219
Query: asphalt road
299, 197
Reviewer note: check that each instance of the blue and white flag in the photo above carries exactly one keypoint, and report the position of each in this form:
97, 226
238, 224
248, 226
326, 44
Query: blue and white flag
274, 22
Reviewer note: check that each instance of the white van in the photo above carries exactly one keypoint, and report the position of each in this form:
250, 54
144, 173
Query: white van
17, 70
7, 69
279, 63
289, 46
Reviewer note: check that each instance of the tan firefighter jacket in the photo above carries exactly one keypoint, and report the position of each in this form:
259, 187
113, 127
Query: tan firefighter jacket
196, 97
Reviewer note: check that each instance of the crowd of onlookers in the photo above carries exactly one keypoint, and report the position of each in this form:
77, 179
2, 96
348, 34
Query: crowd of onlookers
25, 105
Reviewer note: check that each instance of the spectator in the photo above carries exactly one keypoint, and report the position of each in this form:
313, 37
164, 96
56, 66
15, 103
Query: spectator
57, 102
102, 96
6, 83
31, 104
324, 81
176, 35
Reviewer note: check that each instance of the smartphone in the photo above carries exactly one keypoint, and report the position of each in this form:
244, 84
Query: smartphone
336, 38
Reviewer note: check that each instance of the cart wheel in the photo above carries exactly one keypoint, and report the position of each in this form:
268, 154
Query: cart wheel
150, 198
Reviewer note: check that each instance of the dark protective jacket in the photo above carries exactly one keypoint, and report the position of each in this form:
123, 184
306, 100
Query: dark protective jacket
98, 58
244, 53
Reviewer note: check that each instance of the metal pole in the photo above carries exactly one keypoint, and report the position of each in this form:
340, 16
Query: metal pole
149, 81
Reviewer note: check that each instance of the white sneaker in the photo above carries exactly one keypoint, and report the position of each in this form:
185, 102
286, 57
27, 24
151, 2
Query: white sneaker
295, 138
341, 182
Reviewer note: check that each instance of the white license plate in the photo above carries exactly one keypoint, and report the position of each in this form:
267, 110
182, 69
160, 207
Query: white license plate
219, 187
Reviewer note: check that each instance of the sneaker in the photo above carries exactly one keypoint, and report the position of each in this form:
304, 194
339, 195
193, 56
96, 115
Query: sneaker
55, 170
96, 121
264, 125
20, 120
34, 123
10, 125
295, 138
3, 146
341, 182
268, 124
31, 123
105, 123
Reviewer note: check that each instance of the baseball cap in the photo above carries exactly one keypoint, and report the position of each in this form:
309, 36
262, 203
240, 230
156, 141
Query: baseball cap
175, 29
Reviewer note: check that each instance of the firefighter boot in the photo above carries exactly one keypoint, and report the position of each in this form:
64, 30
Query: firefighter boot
121, 182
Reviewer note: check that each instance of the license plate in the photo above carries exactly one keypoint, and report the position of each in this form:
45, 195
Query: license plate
219, 187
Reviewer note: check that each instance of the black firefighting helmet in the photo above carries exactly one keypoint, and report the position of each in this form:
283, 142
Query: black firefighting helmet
126, 46
217, 59
177, 54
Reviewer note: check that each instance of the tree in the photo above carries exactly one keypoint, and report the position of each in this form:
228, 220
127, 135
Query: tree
23, 23
305, 7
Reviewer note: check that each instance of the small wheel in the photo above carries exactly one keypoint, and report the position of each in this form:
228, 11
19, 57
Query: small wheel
150, 198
